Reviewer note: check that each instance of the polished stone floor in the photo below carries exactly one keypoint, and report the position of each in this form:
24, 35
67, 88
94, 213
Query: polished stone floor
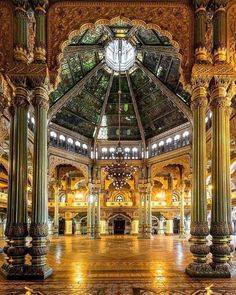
120, 265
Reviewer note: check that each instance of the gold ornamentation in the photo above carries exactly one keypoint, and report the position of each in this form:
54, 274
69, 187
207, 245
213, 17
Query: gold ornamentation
69, 19
231, 35
6, 33
220, 55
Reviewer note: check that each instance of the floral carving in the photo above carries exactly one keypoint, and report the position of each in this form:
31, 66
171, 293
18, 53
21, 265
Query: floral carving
68, 19
231, 34
6, 33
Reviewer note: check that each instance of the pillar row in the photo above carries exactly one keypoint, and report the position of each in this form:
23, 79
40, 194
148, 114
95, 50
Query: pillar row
16, 227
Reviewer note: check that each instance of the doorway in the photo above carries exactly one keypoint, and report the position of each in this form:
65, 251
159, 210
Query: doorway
119, 227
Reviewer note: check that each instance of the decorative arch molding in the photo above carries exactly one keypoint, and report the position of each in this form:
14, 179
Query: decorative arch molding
54, 161
183, 160
125, 216
68, 19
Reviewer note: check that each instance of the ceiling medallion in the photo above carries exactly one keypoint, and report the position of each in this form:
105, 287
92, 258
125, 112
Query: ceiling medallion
120, 172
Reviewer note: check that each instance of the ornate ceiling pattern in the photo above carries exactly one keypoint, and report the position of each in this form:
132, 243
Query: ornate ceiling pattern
83, 113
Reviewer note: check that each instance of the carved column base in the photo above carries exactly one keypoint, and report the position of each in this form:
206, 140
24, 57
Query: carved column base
15, 250
199, 270
206, 271
141, 232
38, 251
38, 272
220, 55
148, 234
12, 272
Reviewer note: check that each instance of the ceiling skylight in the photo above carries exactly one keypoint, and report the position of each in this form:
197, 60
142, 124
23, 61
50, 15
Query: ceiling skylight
128, 55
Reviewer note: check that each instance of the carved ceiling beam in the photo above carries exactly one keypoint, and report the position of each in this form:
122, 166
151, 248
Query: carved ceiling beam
166, 91
73, 91
164, 50
136, 111
158, 49
103, 108
72, 49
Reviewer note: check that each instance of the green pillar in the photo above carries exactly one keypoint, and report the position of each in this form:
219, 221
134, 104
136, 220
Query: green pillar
149, 218
89, 213
200, 13
98, 226
16, 227
220, 168
219, 30
140, 227
199, 225
40, 35
21, 30
228, 178
39, 225
182, 228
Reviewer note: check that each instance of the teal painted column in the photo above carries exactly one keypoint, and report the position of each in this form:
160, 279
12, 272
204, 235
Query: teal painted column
200, 14
40, 34
140, 226
21, 30
39, 225
199, 226
16, 227
220, 180
98, 225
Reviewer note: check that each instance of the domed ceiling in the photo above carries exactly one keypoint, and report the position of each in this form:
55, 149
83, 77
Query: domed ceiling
152, 99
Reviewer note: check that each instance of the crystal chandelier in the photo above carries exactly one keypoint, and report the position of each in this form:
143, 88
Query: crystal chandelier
120, 172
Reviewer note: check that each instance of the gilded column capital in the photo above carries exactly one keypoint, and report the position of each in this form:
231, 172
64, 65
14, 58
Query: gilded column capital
21, 97
219, 95
41, 98
200, 86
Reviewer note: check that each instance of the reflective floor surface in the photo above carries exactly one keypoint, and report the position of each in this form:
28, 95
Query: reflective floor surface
119, 265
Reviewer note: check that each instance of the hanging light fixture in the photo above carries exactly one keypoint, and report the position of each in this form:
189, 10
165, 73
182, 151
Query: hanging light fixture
120, 172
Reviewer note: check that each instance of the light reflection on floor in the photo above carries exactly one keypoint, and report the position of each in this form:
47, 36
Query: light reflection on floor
119, 265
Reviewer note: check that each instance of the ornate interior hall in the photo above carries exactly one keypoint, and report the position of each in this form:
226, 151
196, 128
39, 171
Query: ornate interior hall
117, 147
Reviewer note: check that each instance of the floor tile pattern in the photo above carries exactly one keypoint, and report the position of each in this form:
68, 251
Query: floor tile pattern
120, 265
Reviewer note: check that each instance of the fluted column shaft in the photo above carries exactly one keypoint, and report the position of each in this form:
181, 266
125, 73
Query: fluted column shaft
199, 225
220, 168
40, 36
145, 213
89, 213
98, 226
149, 217
219, 30
140, 230
21, 31
200, 30
56, 210
16, 227
182, 228
39, 222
